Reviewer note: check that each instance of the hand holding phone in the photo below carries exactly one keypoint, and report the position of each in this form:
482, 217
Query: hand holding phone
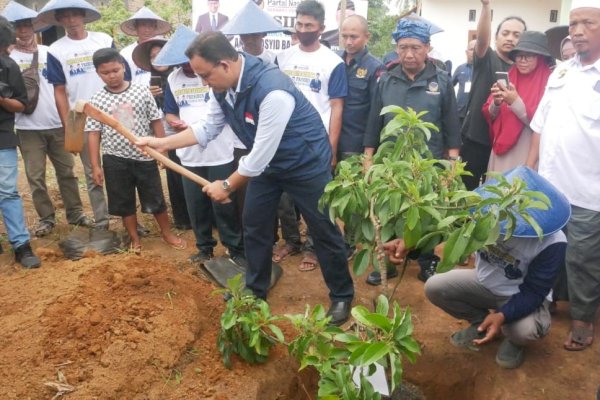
156, 81
502, 79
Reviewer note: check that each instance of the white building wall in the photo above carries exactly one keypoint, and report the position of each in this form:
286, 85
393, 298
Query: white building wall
453, 17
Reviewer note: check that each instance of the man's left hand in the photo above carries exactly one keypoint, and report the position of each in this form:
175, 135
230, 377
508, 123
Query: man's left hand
491, 325
215, 191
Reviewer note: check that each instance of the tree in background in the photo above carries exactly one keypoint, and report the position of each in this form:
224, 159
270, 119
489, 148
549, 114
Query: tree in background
381, 26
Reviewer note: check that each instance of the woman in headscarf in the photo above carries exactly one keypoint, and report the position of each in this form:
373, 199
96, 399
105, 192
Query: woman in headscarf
511, 105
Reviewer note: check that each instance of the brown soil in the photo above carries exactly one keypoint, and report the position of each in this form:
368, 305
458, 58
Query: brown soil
144, 327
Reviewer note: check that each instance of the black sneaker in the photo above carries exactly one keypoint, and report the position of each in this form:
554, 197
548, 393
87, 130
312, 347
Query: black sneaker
24, 256
374, 277
201, 257
428, 271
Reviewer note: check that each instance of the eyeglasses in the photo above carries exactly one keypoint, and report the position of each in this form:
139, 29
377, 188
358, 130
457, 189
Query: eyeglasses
525, 57
207, 75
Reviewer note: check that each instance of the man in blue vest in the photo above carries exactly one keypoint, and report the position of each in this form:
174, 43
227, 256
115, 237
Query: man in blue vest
289, 152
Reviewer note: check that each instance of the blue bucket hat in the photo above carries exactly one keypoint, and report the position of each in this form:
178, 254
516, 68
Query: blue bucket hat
162, 26
551, 220
251, 19
47, 14
173, 52
14, 12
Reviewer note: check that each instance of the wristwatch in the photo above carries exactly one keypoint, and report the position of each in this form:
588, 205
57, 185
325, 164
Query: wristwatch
457, 158
226, 185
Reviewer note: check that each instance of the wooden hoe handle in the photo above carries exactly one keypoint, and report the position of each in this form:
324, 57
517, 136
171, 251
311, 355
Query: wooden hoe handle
101, 116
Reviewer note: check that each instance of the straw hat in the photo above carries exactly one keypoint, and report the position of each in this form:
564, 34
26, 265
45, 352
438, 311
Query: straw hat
128, 26
173, 52
251, 19
141, 52
47, 14
16, 12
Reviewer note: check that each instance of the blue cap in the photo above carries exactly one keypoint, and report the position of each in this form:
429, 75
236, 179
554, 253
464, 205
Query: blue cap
14, 12
47, 14
173, 52
551, 220
251, 19
162, 26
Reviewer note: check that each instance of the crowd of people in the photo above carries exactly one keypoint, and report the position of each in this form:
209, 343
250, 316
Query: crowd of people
267, 131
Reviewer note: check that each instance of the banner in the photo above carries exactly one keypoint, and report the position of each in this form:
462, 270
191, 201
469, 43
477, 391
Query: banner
283, 11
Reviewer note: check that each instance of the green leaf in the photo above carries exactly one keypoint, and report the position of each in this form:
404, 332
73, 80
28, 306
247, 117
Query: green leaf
412, 217
383, 305
361, 261
277, 332
372, 353
368, 230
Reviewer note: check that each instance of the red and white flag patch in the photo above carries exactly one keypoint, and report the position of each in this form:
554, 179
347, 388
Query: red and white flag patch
249, 118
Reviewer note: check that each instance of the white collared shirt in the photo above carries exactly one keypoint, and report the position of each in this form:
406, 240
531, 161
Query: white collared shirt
568, 119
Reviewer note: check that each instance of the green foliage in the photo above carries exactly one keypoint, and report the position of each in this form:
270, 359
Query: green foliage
381, 27
407, 194
335, 354
174, 11
113, 14
247, 326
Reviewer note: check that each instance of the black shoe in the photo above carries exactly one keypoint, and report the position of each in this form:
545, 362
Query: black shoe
339, 312
428, 271
374, 277
24, 256
201, 257
239, 260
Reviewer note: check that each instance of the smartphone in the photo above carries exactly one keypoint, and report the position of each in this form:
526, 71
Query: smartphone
502, 78
156, 81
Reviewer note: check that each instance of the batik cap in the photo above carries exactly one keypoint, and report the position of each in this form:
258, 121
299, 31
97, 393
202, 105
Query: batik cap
141, 52
551, 220
251, 19
47, 14
584, 4
413, 29
173, 52
162, 26
14, 12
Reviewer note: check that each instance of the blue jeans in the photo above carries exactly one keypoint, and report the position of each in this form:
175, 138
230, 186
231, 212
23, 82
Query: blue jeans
262, 199
10, 200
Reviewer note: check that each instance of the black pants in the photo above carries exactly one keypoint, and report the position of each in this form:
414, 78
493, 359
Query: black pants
176, 196
477, 157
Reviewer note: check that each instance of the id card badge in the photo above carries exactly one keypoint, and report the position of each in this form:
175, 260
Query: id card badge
468, 87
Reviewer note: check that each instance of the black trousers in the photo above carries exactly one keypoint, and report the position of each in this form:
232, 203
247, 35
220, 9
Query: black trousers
477, 157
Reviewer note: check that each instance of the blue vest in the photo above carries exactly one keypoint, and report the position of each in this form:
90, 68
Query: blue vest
304, 150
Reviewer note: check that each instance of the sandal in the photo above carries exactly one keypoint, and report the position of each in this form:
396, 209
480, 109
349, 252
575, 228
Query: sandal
180, 245
43, 228
281, 252
580, 337
309, 262
137, 250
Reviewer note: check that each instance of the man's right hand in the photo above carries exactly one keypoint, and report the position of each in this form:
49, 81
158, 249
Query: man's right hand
154, 142
396, 251
98, 176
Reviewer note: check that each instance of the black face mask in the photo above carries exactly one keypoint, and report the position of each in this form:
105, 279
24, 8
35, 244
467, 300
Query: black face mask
308, 38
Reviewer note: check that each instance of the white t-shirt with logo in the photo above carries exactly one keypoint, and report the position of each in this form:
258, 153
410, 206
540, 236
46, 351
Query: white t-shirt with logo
320, 75
188, 97
70, 63
45, 115
502, 268
138, 75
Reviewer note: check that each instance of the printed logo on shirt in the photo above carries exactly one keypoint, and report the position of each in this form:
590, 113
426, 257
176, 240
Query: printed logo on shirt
190, 94
124, 114
304, 77
80, 65
41, 67
501, 258
140, 71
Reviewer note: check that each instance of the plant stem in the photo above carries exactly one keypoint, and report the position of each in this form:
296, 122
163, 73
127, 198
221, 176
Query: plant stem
379, 249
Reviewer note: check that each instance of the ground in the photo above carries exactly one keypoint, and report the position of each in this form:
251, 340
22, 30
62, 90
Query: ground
144, 327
